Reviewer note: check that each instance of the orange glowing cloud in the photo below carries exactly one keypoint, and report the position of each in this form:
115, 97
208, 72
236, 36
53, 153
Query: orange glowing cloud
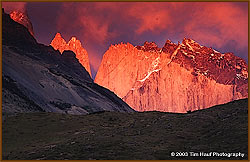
150, 17
94, 27
17, 6
100, 24
219, 23
194, 19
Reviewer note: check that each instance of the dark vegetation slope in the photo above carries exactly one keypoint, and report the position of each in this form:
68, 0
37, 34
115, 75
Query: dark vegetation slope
115, 135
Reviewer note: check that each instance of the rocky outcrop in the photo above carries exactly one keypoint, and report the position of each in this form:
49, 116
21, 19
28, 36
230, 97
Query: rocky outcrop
58, 43
176, 78
22, 18
38, 78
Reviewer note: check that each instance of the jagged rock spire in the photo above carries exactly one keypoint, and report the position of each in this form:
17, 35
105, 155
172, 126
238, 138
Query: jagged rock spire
58, 43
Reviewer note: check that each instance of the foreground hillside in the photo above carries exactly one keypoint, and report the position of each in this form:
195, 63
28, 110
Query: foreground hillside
137, 135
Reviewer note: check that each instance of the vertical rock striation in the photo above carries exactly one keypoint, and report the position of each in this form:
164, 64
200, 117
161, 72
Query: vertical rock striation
176, 78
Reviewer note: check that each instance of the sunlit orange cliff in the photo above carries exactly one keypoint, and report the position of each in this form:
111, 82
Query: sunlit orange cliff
22, 18
58, 43
175, 78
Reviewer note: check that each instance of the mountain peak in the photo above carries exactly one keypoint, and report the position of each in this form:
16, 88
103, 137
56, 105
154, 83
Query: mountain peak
58, 43
169, 47
120, 45
177, 78
58, 83
75, 43
73, 39
58, 35
22, 18
188, 40
149, 46
168, 42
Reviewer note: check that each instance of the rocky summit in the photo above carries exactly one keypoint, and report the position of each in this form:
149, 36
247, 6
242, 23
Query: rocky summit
58, 43
22, 18
37, 78
175, 78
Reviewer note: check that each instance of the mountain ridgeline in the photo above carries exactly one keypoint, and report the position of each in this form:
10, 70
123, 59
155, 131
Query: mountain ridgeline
90, 120
38, 78
58, 43
22, 18
175, 78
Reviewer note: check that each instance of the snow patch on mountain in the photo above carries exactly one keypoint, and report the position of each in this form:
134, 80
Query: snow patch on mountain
152, 69
148, 75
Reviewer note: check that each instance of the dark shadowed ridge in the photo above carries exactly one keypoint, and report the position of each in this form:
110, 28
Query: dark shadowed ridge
38, 78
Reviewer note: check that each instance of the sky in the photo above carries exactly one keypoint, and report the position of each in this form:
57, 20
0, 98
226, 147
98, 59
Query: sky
220, 25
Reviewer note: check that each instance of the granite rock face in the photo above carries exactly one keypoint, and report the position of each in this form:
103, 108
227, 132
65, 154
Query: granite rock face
175, 78
38, 78
22, 18
58, 43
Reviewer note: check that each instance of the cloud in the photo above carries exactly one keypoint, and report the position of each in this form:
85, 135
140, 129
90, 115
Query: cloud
94, 29
150, 18
154, 16
99, 24
17, 6
217, 24
88, 19
221, 25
